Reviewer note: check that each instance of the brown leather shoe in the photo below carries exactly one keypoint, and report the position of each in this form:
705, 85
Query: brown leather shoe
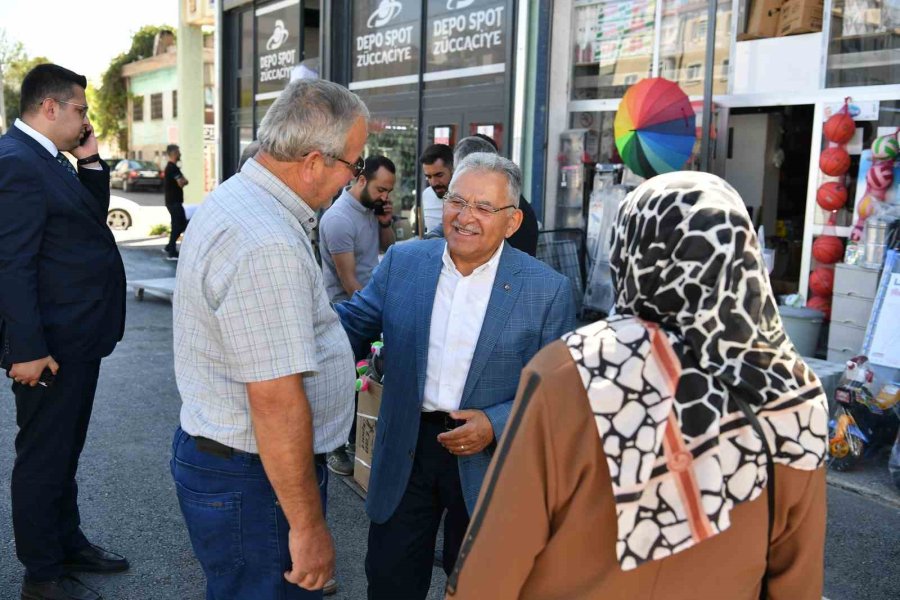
94, 559
64, 588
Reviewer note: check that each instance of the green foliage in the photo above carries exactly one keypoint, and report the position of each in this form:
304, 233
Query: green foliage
161, 229
110, 103
14, 65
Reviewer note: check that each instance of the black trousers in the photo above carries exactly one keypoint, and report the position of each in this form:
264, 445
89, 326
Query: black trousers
53, 424
179, 224
401, 550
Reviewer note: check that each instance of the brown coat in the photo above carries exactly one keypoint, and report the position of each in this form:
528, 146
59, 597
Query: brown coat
546, 528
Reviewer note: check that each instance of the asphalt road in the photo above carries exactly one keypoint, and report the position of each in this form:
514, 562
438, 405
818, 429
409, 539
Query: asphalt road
128, 500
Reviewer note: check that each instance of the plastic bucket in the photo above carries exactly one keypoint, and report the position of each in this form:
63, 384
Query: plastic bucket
802, 325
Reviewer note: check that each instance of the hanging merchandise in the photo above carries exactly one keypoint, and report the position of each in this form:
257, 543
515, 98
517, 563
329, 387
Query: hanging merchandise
821, 281
828, 249
879, 177
599, 295
834, 161
839, 128
832, 195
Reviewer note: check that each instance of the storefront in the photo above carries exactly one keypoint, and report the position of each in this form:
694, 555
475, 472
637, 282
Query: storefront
432, 71
771, 95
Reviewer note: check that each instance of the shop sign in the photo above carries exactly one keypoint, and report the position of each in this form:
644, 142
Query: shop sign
860, 111
385, 42
277, 45
467, 34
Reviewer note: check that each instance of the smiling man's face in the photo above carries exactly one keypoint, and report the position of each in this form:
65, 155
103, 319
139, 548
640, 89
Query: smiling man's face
473, 237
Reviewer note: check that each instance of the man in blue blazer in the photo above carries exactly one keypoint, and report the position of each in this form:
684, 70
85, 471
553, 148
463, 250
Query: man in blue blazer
62, 309
460, 321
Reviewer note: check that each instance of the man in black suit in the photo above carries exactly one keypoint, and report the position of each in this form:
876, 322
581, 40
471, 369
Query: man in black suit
62, 309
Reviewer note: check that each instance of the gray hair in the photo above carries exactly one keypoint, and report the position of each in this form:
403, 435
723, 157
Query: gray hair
310, 115
470, 145
490, 162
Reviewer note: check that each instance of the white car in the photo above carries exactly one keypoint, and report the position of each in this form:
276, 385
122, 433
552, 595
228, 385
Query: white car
121, 213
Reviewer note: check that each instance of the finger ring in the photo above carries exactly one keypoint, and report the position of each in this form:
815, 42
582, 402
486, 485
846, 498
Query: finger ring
462, 447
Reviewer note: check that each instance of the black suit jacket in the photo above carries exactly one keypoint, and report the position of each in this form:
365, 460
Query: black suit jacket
62, 282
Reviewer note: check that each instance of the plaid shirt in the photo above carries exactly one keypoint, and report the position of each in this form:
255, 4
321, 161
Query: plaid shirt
250, 306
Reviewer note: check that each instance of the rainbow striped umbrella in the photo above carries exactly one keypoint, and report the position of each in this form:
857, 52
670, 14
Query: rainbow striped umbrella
655, 127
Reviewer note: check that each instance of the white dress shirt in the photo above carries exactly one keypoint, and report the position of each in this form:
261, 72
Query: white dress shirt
44, 141
460, 304
432, 209
37, 136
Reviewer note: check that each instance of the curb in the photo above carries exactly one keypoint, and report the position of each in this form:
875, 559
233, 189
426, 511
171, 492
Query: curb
889, 498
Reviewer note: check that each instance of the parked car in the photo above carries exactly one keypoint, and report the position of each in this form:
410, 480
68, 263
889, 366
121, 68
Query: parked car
121, 213
112, 163
131, 174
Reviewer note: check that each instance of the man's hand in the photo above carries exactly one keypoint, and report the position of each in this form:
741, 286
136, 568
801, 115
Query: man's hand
471, 438
28, 373
388, 215
89, 147
312, 557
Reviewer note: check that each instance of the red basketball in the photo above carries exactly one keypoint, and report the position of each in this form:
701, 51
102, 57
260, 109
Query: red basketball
839, 128
820, 303
828, 249
834, 161
832, 195
821, 281
880, 175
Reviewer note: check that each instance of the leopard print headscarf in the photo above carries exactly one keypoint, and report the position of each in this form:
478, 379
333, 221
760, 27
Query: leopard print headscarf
696, 323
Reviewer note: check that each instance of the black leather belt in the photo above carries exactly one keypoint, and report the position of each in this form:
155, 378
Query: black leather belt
215, 448
439, 417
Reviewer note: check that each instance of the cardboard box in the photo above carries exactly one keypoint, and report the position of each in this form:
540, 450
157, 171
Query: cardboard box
762, 20
800, 16
366, 421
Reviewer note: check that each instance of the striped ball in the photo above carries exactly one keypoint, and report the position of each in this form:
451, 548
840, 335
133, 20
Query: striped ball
885, 148
880, 175
867, 206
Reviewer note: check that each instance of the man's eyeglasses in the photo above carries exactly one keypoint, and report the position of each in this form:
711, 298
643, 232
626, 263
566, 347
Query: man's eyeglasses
82, 108
458, 204
356, 168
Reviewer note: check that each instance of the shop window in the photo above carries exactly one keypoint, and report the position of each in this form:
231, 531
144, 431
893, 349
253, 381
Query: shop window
613, 41
491, 130
137, 108
156, 107
864, 43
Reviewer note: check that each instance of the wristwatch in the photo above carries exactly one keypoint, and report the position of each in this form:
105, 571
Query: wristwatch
88, 159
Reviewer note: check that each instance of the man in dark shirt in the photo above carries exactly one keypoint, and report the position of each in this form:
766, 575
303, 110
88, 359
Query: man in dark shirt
173, 182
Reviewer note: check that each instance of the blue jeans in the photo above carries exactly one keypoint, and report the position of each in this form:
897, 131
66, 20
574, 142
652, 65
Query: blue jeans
237, 529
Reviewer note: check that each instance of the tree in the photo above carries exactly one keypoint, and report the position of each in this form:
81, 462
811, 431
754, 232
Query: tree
14, 65
109, 110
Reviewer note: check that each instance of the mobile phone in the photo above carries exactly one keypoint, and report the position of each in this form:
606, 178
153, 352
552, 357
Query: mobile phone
379, 207
85, 134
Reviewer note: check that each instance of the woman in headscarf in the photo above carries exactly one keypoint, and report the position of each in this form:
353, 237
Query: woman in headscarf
633, 465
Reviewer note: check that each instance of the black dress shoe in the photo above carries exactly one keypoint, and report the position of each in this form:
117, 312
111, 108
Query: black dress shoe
64, 588
94, 559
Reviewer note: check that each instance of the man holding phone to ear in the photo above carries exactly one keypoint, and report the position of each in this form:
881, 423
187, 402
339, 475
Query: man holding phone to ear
62, 309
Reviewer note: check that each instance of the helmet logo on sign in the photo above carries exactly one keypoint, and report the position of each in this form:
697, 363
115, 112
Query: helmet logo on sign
459, 4
385, 13
279, 36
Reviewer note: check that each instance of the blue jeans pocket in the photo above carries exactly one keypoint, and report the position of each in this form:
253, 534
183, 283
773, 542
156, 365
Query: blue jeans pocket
214, 525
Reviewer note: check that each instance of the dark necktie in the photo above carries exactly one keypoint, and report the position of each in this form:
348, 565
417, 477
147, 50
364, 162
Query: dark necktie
68, 166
